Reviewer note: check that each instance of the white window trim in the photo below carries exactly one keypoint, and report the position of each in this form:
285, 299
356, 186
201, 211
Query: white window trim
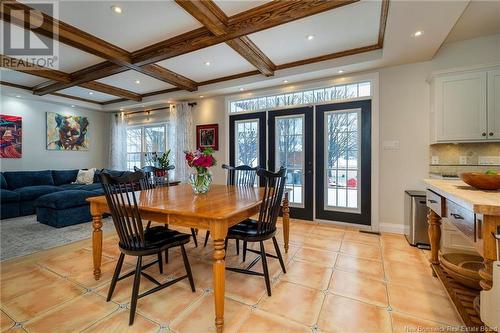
142, 127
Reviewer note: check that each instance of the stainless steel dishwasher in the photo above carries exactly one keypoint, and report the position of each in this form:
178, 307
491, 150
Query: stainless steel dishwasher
416, 219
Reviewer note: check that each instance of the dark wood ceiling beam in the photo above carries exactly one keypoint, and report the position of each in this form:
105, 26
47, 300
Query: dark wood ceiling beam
213, 18
166, 75
110, 90
256, 19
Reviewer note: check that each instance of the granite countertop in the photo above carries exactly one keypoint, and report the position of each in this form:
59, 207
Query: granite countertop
478, 201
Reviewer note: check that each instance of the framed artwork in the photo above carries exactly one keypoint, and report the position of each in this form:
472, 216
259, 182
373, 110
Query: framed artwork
207, 136
11, 134
67, 132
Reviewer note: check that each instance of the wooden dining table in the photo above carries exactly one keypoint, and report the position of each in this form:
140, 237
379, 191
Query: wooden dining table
222, 207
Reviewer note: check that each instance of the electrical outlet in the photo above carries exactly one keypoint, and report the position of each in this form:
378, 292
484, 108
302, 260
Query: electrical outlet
462, 160
435, 160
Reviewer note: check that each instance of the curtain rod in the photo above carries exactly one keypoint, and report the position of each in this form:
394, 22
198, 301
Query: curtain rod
151, 110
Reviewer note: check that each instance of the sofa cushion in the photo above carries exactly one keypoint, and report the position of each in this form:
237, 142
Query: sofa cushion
64, 176
65, 199
18, 179
90, 187
70, 186
9, 196
3, 182
33, 192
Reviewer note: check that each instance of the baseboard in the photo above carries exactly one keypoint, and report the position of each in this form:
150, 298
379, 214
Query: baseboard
392, 228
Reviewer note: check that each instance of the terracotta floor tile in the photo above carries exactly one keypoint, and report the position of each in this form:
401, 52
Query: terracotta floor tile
165, 305
420, 276
72, 316
394, 241
308, 274
24, 306
323, 242
422, 303
200, 317
123, 289
371, 268
5, 322
402, 323
294, 302
244, 288
72, 263
118, 323
359, 237
14, 284
340, 314
260, 321
359, 287
331, 232
317, 256
86, 277
361, 250
409, 256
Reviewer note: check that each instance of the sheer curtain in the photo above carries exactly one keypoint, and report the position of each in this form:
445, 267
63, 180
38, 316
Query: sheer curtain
118, 142
181, 138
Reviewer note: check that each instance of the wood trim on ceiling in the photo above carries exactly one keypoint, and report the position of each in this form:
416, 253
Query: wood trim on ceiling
19, 86
52, 74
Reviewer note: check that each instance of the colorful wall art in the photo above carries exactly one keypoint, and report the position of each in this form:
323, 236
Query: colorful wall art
11, 133
67, 132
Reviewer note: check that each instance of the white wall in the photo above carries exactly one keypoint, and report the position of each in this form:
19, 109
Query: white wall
35, 156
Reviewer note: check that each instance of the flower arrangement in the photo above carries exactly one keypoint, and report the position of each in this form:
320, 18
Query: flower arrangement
200, 161
160, 161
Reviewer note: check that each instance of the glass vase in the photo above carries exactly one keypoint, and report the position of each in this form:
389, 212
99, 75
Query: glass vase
200, 182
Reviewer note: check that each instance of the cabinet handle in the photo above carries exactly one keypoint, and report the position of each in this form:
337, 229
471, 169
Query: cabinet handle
491, 133
479, 227
457, 216
432, 201
483, 134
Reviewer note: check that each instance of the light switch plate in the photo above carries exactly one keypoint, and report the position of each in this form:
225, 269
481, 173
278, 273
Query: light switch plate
435, 160
462, 160
489, 160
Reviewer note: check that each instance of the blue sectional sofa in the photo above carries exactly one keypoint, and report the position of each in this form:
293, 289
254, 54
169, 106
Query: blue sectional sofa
50, 194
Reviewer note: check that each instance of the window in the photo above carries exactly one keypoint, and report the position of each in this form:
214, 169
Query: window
142, 140
247, 142
349, 91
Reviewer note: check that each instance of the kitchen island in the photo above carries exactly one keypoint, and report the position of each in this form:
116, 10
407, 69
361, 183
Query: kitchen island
476, 214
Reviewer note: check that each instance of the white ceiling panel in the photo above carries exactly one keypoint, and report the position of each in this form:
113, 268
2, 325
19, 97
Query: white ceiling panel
85, 93
233, 7
126, 80
71, 59
340, 29
140, 24
28, 80
223, 60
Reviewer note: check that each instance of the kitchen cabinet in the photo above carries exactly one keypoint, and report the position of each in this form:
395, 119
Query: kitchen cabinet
466, 106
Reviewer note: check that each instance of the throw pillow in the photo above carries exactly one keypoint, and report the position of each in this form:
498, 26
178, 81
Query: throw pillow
85, 177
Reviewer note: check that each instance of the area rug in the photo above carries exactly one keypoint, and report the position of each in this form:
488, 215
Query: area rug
25, 235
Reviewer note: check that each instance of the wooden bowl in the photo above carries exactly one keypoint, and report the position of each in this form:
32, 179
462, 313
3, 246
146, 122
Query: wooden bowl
463, 268
481, 181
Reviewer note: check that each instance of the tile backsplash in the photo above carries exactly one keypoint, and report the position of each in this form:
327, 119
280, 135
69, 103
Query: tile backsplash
464, 157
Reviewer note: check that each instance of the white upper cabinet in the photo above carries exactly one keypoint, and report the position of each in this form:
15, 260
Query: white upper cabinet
461, 107
494, 104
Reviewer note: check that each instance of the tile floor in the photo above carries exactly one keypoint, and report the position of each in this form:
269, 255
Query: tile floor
338, 280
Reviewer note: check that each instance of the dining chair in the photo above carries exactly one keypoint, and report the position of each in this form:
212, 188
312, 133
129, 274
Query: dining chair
242, 175
151, 180
136, 241
264, 228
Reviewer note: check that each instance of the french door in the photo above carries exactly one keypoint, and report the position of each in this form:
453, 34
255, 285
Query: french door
343, 162
291, 145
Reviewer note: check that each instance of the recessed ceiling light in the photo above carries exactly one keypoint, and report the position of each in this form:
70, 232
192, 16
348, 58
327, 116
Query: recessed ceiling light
116, 9
91, 93
201, 96
340, 71
137, 82
72, 106
418, 33
285, 81
310, 37
121, 109
241, 89
207, 63
18, 96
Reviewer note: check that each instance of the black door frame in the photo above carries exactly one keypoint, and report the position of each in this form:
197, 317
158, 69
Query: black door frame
261, 116
365, 216
306, 213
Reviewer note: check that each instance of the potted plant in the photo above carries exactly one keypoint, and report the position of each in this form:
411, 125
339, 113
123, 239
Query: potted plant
161, 162
200, 162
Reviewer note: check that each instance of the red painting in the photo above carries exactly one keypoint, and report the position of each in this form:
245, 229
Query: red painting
11, 134
207, 136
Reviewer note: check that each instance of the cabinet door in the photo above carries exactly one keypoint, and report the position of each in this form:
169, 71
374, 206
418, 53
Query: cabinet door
461, 107
494, 104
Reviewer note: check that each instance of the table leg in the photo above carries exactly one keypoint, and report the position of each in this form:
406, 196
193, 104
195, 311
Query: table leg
434, 230
286, 221
218, 232
97, 244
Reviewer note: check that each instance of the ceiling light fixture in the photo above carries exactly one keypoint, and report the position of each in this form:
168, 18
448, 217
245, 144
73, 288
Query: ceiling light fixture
18, 96
207, 63
121, 109
72, 106
201, 96
418, 33
116, 9
310, 37
137, 82
340, 71
285, 81
91, 93
241, 89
